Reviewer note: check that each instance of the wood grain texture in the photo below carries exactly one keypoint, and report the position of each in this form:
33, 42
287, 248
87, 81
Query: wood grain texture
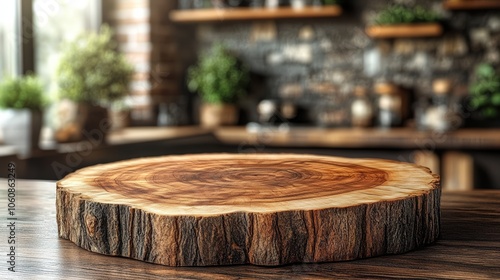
221, 209
468, 248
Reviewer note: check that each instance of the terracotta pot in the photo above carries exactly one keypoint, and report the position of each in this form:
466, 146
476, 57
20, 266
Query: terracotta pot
213, 115
85, 122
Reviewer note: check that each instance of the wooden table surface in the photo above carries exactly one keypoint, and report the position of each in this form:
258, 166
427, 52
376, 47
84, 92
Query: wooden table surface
469, 248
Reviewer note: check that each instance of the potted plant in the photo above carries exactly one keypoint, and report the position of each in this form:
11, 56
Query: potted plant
92, 74
220, 79
22, 101
402, 21
485, 96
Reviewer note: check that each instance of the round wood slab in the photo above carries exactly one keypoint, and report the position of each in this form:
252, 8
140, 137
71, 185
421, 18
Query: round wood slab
264, 209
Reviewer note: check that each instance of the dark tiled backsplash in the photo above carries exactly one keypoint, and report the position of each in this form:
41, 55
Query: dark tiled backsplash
305, 60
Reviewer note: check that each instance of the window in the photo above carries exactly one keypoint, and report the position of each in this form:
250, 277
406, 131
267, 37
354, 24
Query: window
10, 39
57, 22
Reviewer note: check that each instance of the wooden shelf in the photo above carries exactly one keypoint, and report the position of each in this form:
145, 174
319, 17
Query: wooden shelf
405, 30
471, 4
205, 15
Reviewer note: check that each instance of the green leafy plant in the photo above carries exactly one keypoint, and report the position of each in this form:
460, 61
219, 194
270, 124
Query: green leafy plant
398, 14
485, 91
22, 93
92, 71
219, 77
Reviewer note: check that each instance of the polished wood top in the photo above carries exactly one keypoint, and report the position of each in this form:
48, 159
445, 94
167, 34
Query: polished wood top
256, 183
469, 248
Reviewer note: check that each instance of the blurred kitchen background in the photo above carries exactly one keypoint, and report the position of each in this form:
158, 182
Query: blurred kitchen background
96, 81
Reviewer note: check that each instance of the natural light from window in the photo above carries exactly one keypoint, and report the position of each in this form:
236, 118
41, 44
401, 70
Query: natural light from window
56, 23
9, 39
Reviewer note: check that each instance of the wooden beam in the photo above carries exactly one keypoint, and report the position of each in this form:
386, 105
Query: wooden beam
458, 171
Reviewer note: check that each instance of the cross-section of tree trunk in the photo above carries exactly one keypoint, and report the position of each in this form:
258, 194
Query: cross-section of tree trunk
264, 209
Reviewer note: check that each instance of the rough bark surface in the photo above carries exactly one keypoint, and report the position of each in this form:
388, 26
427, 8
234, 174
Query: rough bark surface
267, 209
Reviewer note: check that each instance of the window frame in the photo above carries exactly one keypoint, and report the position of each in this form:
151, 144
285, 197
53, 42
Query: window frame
27, 34
27, 31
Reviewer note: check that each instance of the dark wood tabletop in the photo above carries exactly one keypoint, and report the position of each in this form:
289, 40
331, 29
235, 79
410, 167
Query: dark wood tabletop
469, 248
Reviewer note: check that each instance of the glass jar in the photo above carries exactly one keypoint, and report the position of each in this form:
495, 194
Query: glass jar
440, 116
361, 108
389, 105
272, 4
298, 4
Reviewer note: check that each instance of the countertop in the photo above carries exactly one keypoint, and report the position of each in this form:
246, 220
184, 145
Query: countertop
402, 138
469, 248
273, 136
123, 137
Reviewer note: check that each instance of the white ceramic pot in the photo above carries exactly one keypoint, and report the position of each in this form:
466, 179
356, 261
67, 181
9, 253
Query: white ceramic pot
21, 129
